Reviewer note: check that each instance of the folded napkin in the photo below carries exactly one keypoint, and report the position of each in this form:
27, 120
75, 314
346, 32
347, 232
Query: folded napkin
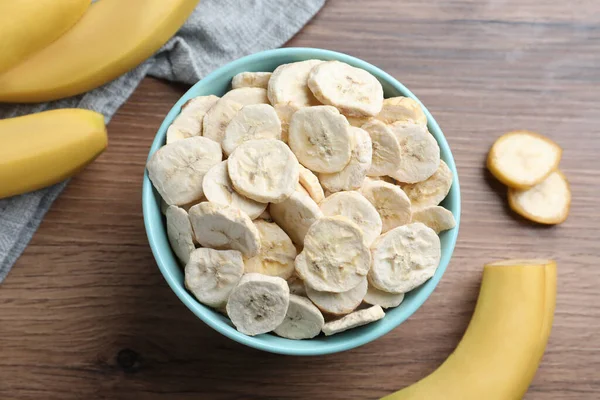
217, 32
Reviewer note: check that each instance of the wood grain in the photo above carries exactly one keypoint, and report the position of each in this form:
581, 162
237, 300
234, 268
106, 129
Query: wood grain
85, 313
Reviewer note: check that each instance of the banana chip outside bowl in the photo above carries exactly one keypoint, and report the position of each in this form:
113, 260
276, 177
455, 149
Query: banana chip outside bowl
217, 83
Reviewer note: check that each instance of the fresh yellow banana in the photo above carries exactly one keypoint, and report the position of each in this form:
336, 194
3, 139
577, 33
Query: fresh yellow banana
504, 343
27, 26
111, 38
41, 149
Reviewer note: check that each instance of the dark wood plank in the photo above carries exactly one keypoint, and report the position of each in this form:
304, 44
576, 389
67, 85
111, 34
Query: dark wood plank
86, 314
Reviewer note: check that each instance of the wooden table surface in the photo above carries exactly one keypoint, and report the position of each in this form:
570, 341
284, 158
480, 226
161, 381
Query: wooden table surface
85, 313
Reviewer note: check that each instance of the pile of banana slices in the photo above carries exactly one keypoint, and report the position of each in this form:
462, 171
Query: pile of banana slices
302, 202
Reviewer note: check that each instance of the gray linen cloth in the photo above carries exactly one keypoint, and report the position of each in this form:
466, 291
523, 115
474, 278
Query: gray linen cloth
217, 32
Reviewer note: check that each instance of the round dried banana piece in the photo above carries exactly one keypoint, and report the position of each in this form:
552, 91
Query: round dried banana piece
522, 159
431, 191
357, 209
358, 121
256, 121
223, 227
419, 153
296, 285
354, 320
402, 109
212, 274
547, 202
247, 96
390, 201
284, 112
338, 303
189, 122
277, 252
320, 138
218, 117
352, 90
177, 169
302, 321
288, 84
264, 170
404, 258
437, 218
179, 232
378, 297
251, 79
258, 304
353, 174
218, 189
386, 148
310, 183
295, 215
335, 257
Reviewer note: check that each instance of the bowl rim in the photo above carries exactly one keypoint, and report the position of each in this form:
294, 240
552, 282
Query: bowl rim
148, 196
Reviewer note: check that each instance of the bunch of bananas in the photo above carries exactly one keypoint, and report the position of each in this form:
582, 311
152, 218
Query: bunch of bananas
53, 49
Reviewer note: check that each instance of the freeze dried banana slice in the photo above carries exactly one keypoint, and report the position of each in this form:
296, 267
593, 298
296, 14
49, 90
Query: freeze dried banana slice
302, 321
402, 109
357, 209
256, 121
390, 201
284, 112
258, 304
522, 159
338, 303
378, 297
437, 218
223, 227
352, 90
264, 170
179, 232
251, 79
431, 191
177, 169
189, 121
320, 138
218, 189
296, 285
288, 84
277, 252
218, 117
247, 96
212, 274
353, 174
419, 153
404, 258
310, 183
335, 257
358, 121
386, 148
295, 215
354, 320
547, 202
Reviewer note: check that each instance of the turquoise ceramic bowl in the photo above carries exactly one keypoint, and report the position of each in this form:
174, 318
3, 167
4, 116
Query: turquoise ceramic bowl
218, 83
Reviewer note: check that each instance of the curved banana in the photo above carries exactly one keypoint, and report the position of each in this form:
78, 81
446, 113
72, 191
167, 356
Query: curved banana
27, 26
110, 39
504, 343
41, 149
